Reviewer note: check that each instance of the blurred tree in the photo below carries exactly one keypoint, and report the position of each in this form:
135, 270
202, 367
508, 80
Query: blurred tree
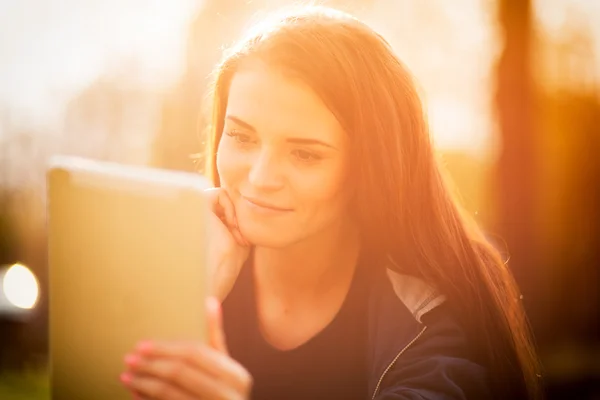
8, 245
114, 118
548, 190
517, 166
569, 115
184, 112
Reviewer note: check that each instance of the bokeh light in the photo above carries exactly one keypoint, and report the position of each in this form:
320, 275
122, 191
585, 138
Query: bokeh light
20, 286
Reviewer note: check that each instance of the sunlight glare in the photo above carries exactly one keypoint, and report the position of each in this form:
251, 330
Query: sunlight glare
20, 287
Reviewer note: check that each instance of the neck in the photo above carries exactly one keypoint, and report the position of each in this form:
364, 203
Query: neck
308, 269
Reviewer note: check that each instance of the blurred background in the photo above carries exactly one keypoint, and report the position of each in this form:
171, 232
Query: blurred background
512, 89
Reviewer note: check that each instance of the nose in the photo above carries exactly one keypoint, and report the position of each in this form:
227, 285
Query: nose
265, 172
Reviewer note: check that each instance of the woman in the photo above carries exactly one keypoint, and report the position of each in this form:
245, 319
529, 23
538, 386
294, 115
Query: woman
345, 267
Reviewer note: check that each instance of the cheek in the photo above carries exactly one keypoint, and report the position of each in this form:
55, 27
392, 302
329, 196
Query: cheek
324, 191
230, 166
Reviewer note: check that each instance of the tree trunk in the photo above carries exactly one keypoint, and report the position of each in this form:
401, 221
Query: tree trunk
517, 166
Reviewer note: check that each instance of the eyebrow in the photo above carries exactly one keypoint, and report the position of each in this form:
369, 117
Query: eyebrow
304, 141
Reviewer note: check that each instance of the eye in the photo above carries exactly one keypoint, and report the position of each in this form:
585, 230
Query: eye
306, 156
240, 137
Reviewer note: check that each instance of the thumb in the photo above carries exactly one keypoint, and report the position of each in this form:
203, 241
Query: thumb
216, 336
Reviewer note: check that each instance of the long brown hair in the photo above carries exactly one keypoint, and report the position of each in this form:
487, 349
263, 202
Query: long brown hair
402, 202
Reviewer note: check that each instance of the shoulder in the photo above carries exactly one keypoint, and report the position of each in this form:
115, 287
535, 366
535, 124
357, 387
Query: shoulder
416, 295
418, 349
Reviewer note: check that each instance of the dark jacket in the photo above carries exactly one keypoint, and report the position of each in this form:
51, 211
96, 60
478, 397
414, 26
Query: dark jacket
416, 349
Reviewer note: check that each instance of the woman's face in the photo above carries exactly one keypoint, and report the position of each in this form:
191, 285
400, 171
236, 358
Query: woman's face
282, 158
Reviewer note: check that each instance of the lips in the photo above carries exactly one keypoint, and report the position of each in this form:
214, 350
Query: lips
264, 204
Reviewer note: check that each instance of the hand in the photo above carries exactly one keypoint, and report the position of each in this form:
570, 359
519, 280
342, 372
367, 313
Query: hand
228, 249
187, 371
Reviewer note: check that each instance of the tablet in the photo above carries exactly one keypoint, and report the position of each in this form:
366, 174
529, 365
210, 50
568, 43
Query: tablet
127, 254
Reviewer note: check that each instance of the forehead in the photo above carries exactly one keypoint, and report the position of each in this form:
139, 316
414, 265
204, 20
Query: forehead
277, 105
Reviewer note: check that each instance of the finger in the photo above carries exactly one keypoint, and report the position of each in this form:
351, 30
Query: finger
228, 209
138, 396
237, 235
216, 198
216, 336
212, 197
231, 219
180, 375
223, 207
246, 242
150, 387
207, 359
234, 232
214, 203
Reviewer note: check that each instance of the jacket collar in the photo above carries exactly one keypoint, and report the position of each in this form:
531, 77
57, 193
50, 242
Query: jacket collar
397, 303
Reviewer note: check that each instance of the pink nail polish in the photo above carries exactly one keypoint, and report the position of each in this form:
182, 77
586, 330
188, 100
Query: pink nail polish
125, 378
132, 360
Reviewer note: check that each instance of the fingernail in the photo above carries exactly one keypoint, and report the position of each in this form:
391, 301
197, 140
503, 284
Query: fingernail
144, 347
132, 360
125, 378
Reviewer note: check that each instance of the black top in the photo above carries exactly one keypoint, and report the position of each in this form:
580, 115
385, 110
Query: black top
331, 365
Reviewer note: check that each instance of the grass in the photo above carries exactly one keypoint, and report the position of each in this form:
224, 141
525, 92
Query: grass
29, 385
